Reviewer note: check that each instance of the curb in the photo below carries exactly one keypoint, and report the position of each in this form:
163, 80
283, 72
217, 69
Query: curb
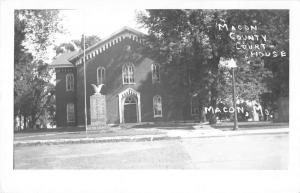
93, 140
140, 138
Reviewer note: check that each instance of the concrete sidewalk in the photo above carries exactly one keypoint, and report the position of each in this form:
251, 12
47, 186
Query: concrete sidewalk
203, 131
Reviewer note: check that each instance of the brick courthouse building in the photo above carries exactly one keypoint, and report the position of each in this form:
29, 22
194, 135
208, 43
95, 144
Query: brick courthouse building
134, 85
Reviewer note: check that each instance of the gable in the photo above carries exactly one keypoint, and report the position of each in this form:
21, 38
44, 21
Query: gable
105, 44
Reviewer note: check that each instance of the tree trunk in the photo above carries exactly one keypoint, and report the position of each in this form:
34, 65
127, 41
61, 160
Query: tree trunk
214, 88
25, 122
202, 115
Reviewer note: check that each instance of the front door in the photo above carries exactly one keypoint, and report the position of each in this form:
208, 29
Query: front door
130, 112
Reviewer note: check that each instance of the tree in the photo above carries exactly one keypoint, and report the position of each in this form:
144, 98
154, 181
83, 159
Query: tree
76, 44
89, 41
33, 91
190, 43
275, 74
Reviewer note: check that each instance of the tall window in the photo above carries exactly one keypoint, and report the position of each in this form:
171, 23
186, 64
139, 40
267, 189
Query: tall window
195, 110
100, 75
157, 106
155, 73
70, 112
70, 82
128, 73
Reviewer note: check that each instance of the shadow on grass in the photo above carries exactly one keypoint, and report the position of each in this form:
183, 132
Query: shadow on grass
60, 129
160, 125
250, 125
169, 126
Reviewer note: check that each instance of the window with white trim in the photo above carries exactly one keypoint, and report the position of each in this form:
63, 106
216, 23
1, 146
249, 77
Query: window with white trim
70, 112
157, 106
100, 75
195, 108
69, 82
128, 73
155, 73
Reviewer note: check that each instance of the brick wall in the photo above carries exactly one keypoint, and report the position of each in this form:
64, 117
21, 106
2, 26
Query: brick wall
113, 59
63, 97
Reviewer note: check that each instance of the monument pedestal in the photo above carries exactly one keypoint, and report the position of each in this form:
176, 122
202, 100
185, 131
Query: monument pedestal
98, 112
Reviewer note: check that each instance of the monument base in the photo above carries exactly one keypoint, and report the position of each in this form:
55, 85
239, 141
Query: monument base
98, 112
97, 127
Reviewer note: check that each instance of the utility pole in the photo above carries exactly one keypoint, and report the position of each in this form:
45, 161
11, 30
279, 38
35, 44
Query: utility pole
84, 69
84, 79
231, 64
235, 121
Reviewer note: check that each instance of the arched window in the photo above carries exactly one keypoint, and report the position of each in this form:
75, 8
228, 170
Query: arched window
70, 112
69, 82
157, 106
100, 75
128, 73
155, 73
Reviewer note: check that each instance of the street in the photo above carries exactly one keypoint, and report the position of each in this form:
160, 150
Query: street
267, 152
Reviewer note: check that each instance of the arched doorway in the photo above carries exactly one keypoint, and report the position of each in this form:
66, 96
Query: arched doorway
129, 106
130, 109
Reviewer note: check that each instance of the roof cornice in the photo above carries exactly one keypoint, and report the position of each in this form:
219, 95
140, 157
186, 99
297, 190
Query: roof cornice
106, 43
61, 66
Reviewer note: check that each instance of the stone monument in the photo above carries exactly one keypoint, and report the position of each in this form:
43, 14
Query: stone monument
98, 109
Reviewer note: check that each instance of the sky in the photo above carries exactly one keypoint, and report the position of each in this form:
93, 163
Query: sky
100, 21
96, 21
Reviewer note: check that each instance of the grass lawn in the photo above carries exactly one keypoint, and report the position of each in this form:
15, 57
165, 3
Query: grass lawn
225, 126
119, 130
137, 129
83, 134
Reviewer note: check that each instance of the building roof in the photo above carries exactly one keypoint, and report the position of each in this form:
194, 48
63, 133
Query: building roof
66, 59
63, 60
108, 39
